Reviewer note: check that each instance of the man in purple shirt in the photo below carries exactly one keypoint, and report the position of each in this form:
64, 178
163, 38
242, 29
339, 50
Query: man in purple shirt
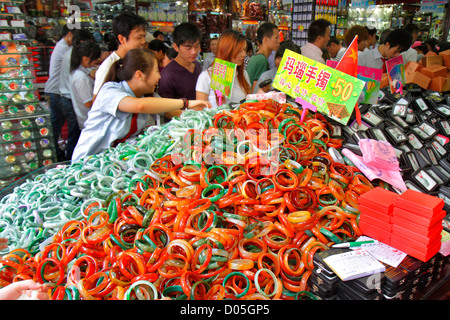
179, 77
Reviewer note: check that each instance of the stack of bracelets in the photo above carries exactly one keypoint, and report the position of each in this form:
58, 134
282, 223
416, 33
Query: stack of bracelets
196, 223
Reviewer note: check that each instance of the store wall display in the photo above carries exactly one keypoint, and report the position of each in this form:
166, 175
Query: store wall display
377, 16
26, 142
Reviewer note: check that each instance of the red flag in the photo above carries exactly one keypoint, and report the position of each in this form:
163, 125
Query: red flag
349, 65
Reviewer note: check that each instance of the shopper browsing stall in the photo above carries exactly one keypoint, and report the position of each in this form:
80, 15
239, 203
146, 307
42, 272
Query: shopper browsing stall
335, 49
66, 102
169, 56
120, 112
84, 56
372, 38
421, 50
179, 77
232, 47
51, 88
318, 37
249, 53
395, 43
129, 30
209, 59
159, 49
411, 54
268, 40
363, 36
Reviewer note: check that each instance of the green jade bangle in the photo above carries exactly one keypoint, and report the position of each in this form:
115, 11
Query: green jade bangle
232, 274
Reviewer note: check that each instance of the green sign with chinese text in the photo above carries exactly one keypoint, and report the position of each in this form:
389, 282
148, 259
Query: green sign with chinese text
330, 91
222, 77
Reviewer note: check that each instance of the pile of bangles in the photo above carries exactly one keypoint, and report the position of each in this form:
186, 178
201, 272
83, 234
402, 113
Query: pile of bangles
237, 210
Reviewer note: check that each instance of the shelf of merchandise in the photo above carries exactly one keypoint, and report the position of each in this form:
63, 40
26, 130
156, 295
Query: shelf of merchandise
26, 141
281, 15
423, 21
302, 16
162, 13
247, 16
379, 16
212, 17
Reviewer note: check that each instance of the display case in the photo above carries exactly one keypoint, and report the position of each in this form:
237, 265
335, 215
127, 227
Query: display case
212, 17
341, 20
162, 13
248, 16
379, 16
280, 14
26, 141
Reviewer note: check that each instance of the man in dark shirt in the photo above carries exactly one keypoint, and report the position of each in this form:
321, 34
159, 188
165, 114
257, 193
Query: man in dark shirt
179, 77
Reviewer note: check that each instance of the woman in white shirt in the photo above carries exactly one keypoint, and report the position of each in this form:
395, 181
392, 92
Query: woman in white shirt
119, 111
84, 56
232, 47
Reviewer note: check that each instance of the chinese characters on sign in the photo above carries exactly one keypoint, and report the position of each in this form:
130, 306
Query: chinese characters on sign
332, 92
222, 77
302, 69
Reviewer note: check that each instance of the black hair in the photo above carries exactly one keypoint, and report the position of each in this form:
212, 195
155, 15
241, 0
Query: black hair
399, 37
157, 45
186, 33
112, 44
432, 42
125, 22
171, 53
89, 49
444, 46
287, 44
82, 35
65, 31
134, 60
317, 28
157, 33
265, 30
384, 36
249, 46
333, 40
371, 31
422, 48
412, 28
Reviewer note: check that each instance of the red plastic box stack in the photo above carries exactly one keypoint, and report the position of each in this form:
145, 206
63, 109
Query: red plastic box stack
376, 212
417, 224
410, 222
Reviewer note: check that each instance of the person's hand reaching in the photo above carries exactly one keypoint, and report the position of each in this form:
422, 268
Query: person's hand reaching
28, 287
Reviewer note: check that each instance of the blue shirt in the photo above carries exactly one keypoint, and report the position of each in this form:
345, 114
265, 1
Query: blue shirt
81, 86
106, 123
52, 84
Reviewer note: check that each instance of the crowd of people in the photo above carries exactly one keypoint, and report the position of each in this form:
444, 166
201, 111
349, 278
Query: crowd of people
109, 96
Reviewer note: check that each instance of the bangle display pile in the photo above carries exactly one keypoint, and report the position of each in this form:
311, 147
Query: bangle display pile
217, 204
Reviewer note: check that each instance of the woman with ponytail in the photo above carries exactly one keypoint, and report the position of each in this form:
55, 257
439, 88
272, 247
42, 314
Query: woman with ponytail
120, 111
232, 47
84, 56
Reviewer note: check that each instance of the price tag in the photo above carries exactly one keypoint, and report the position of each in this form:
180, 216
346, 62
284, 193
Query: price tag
332, 92
372, 78
222, 77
